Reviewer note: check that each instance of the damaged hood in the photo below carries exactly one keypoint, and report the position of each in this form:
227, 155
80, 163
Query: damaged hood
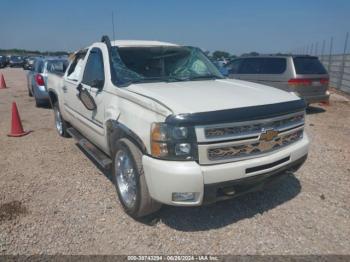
210, 95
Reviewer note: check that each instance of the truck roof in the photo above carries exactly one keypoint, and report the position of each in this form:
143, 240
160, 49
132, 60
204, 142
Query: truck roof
130, 43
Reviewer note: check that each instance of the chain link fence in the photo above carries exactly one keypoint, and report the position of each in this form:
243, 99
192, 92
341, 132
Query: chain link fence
336, 61
338, 67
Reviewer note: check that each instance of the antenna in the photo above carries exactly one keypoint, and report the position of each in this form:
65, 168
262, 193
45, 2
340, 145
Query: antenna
113, 25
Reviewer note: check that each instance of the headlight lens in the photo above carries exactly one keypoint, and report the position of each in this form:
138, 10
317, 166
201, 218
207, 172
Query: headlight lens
183, 149
172, 142
179, 132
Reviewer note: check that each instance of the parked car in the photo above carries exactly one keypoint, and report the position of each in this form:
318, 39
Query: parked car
221, 66
37, 77
8, 60
3, 62
172, 129
303, 75
16, 61
29, 63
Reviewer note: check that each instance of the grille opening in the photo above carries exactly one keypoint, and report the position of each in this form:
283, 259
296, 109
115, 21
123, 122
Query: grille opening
266, 166
253, 148
228, 140
253, 128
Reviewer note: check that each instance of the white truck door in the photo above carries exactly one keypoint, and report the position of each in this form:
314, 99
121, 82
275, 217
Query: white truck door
92, 94
72, 79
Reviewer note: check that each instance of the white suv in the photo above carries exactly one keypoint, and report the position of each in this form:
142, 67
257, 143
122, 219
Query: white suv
172, 129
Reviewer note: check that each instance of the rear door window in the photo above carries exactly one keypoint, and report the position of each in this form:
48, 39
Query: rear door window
234, 66
263, 66
58, 66
308, 66
251, 66
274, 65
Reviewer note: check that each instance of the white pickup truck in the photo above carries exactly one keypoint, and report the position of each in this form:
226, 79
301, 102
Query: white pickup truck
171, 128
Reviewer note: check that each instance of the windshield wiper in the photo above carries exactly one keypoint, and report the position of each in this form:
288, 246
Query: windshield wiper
169, 79
144, 80
176, 79
199, 77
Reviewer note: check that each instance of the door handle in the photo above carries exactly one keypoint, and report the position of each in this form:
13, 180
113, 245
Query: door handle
64, 88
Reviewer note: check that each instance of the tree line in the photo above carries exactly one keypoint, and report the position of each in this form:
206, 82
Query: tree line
24, 52
218, 55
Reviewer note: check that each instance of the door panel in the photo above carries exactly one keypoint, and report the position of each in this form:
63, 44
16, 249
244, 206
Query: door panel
93, 82
72, 104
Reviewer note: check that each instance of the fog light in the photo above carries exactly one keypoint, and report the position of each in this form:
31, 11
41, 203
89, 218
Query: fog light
182, 149
183, 197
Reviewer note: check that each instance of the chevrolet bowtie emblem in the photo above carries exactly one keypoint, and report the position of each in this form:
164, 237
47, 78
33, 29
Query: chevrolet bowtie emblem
268, 135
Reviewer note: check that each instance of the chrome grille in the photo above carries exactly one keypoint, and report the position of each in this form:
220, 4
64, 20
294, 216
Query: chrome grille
238, 141
215, 132
251, 149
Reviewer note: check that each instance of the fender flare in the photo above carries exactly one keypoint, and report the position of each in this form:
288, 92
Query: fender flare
116, 131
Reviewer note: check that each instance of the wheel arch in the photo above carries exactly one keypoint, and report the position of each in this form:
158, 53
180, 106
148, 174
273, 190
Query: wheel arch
53, 96
116, 131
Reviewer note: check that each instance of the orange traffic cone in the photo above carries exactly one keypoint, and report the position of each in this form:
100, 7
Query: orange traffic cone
2, 82
16, 127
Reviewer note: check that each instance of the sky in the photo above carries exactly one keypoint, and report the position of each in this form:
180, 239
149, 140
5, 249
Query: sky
230, 25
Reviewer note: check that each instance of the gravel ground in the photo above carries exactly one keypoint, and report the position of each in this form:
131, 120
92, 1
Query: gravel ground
53, 199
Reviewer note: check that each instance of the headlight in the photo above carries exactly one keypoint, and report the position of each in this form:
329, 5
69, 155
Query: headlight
173, 142
179, 132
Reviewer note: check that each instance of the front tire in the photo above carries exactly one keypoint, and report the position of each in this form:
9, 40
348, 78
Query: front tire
60, 124
129, 179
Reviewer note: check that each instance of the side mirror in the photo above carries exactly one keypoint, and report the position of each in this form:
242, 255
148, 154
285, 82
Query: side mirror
86, 99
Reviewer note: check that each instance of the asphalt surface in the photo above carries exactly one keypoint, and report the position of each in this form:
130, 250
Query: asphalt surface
53, 199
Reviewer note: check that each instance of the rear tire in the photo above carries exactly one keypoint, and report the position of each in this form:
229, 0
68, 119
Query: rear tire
129, 179
60, 124
37, 102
